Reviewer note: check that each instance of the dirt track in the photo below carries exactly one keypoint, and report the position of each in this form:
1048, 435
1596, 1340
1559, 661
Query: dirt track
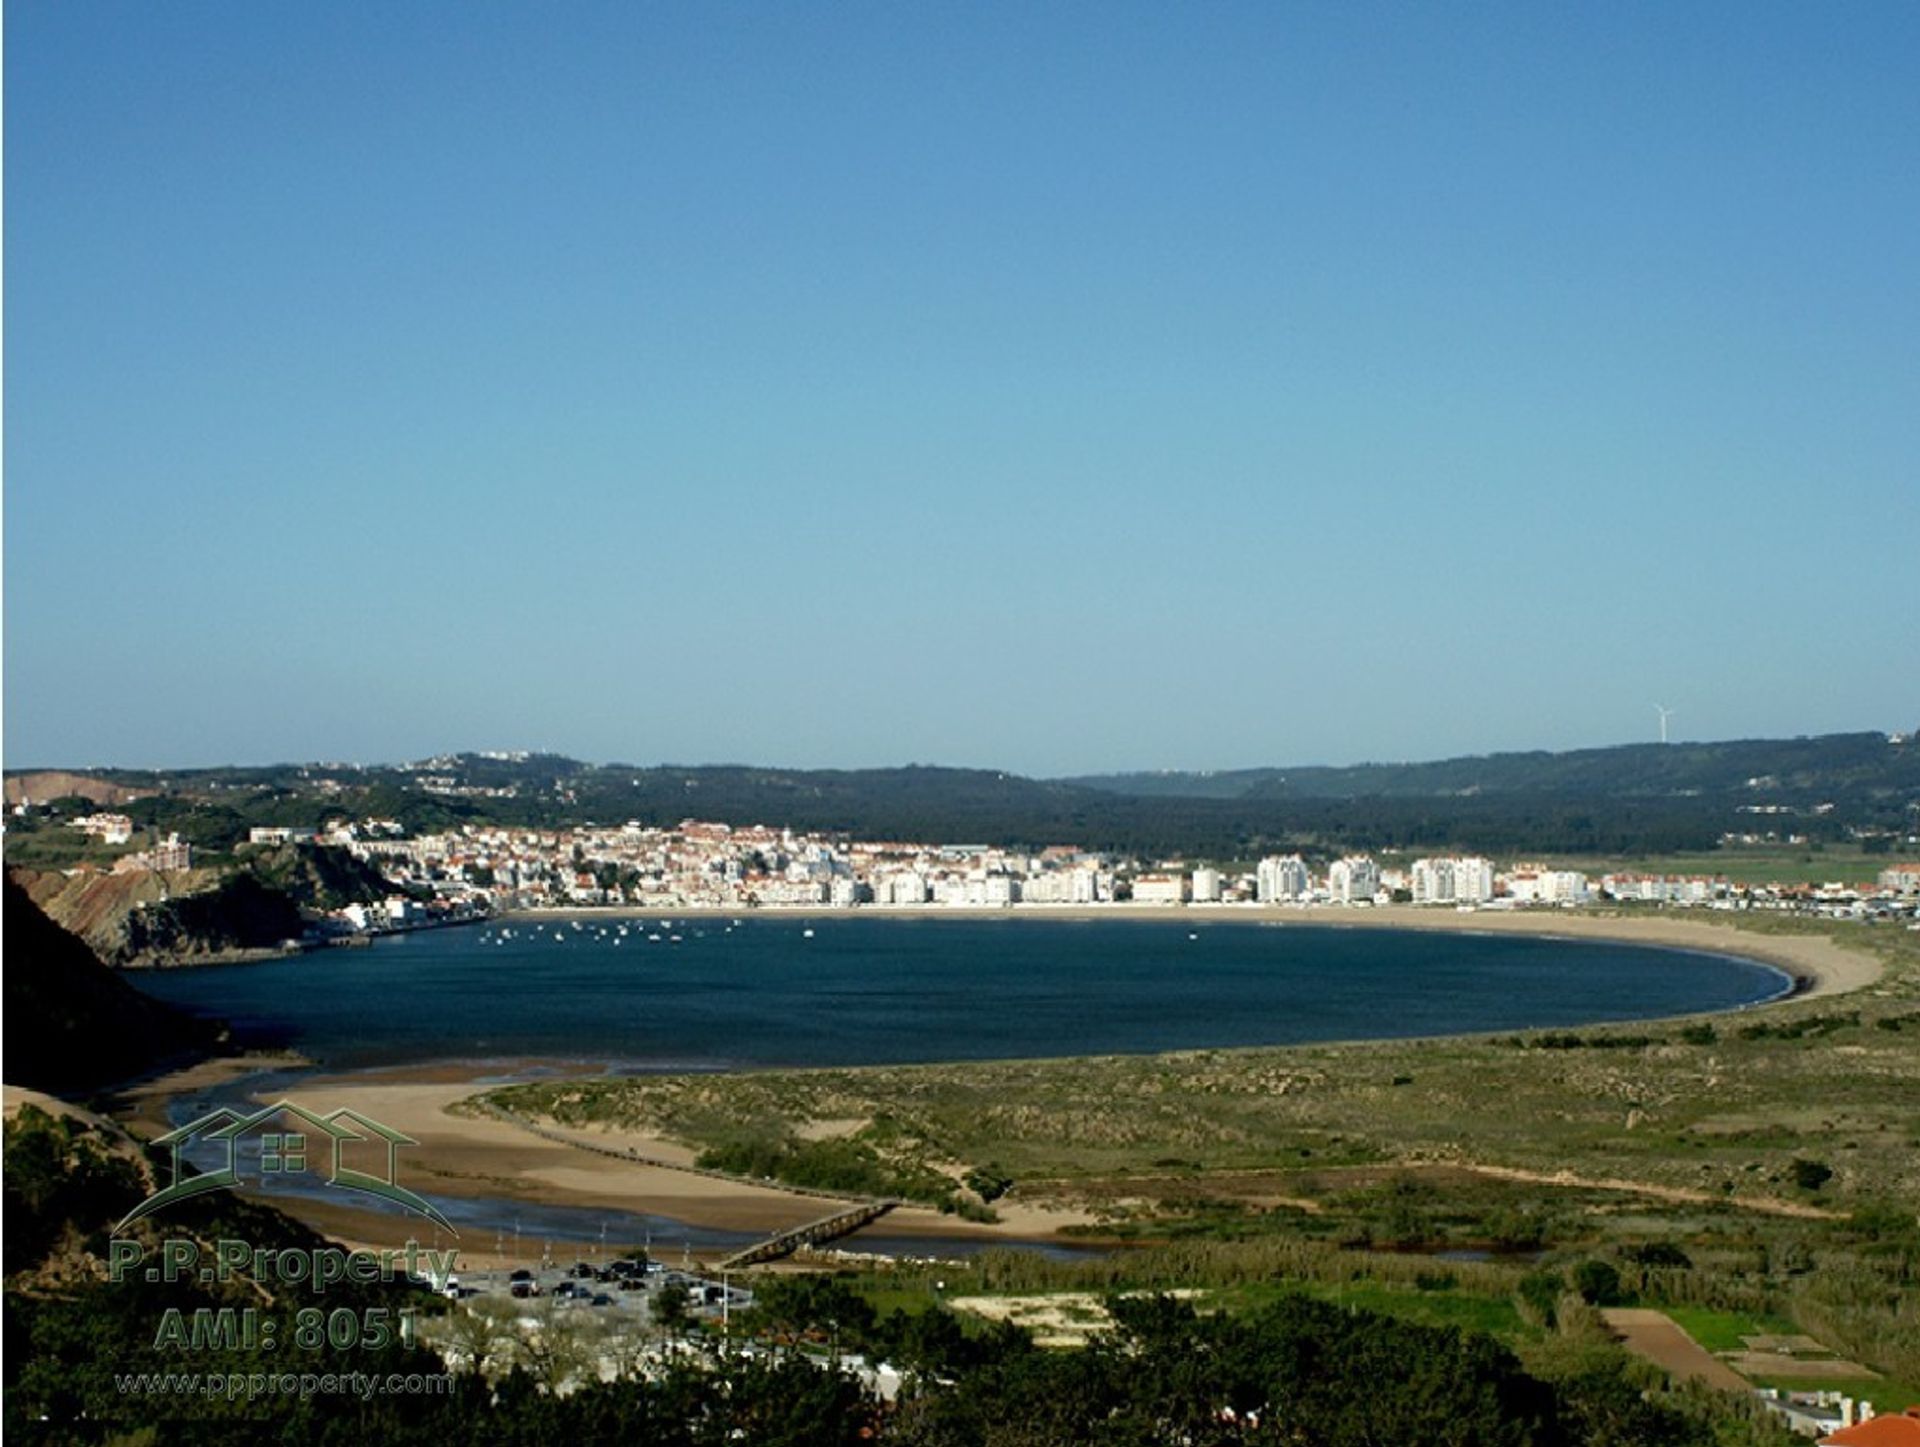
1765, 1205
1655, 1336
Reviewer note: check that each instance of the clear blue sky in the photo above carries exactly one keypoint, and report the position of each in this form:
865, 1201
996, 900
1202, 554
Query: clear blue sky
1052, 387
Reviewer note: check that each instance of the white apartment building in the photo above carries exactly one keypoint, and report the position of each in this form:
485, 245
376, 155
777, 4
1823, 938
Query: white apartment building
280, 834
1050, 887
1281, 878
1452, 881
1663, 889
999, 889
1901, 878
1160, 889
980, 890
107, 828
1206, 886
1064, 886
1536, 884
1053, 887
906, 887
793, 891
1353, 880
400, 910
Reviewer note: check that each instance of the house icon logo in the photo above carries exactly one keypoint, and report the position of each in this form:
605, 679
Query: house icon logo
292, 1141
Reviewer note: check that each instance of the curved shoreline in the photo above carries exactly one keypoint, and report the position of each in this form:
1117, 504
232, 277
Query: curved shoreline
1817, 965
469, 1156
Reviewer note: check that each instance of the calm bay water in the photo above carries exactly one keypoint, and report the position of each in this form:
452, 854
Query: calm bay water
866, 990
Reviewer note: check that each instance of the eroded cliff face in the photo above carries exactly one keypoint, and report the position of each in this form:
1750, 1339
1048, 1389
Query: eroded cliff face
201, 915
98, 907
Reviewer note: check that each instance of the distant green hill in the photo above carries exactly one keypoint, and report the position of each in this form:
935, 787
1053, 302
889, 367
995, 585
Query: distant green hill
1634, 799
1855, 768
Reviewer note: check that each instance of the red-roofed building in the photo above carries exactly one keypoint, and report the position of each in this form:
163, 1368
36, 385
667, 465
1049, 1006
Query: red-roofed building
1888, 1430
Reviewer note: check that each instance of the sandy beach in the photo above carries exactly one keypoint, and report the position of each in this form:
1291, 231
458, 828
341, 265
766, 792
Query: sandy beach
478, 1156
1818, 964
475, 1155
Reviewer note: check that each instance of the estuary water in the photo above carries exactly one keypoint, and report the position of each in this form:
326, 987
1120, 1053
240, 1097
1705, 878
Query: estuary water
665, 993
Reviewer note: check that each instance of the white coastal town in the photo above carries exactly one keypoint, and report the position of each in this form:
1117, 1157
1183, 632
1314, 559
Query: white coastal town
699, 865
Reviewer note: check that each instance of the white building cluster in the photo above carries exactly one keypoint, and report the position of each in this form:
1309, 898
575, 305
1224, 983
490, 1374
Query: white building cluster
717, 865
107, 828
706, 865
170, 854
1537, 884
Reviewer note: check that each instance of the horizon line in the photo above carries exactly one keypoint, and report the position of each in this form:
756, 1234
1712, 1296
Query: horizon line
526, 755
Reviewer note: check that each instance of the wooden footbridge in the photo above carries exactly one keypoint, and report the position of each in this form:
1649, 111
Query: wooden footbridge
814, 1233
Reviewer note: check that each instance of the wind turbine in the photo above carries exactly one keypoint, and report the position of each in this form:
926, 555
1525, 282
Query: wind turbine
1665, 714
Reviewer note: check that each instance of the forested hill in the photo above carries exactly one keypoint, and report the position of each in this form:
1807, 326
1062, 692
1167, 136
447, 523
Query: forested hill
1831, 768
1635, 799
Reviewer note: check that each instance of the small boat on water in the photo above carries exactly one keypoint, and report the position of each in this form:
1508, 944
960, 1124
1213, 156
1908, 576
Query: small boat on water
806, 934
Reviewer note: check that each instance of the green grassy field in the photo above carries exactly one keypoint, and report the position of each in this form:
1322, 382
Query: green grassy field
1777, 864
1722, 1331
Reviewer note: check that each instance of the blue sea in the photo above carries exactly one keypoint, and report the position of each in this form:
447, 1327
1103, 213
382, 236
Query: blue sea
663, 993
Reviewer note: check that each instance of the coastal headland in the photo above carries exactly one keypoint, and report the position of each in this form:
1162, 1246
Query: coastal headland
1082, 1138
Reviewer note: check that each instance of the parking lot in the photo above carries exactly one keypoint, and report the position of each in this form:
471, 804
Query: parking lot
627, 1288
